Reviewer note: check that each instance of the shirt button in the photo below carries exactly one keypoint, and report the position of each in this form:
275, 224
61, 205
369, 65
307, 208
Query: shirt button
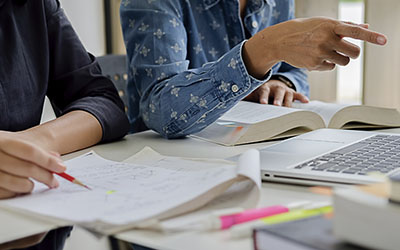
235, 88
254, 24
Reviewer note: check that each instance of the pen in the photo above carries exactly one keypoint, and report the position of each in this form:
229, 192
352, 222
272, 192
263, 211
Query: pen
72, 179
245, 230
227, 221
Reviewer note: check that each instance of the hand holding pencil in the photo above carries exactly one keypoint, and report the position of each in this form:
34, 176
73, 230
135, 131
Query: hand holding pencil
21, 161
67, 176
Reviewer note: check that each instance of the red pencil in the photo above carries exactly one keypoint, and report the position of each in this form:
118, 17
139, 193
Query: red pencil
72, 179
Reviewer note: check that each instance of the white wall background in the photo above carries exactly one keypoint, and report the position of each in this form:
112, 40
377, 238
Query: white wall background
382, 65
323, 85
350, 78
87, 18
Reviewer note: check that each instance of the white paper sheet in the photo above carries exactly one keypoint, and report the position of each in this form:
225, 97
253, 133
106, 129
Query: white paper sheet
241, 195
125, 193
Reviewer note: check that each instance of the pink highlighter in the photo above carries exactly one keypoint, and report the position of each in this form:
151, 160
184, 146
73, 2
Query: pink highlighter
226, 221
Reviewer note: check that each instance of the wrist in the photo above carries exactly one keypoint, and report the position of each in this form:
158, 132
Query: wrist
259, 55
284, 80
41, 138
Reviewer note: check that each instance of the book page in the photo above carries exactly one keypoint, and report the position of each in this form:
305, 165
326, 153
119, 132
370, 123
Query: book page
325, 110
251, 113
124, 193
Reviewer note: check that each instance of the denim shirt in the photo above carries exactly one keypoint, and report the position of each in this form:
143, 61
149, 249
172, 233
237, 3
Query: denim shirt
185, 59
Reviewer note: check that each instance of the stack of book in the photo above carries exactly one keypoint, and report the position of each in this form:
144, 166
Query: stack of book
395, 189
369, 216
365, 217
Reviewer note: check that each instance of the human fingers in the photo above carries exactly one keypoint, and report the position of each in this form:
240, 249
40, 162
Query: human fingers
29, 152
14, 183
56, 154
300, 97
288, 99
279, 94
364, 25
21, 168
338, 59
4, 194
324, 66
263, 94
347, 48
360, 33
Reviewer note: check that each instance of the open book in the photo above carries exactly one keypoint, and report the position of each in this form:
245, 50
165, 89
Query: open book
249, 122
126, 195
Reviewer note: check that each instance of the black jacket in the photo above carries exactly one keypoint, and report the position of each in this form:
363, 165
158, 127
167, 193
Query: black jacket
40, 54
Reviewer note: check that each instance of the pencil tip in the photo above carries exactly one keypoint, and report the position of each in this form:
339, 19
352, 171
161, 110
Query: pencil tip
81, 184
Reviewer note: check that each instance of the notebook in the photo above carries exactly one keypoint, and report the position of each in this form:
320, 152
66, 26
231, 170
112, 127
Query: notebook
315, 233
331, 156
364, 216
127, 195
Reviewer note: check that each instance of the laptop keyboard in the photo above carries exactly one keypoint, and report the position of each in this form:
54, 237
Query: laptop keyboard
380, 153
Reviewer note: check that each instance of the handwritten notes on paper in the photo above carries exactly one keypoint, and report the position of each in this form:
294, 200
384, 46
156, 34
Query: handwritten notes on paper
125, 194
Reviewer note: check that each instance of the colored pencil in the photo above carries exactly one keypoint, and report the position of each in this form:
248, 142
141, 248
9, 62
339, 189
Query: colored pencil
72, 179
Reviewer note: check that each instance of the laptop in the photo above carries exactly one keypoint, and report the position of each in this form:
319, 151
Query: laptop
331, 157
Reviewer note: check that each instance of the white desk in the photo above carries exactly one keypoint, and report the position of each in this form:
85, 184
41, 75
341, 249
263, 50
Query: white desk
14, 226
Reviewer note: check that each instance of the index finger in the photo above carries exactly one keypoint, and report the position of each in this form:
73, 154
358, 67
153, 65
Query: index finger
360, 33
302, 98
29, 152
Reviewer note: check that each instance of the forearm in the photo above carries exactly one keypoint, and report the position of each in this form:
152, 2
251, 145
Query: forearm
70, 132
191, 100
258, 64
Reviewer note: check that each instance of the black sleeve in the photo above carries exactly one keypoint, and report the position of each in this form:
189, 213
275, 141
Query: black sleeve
75, 80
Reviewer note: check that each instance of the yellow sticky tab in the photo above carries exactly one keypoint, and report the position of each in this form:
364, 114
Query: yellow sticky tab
111, 192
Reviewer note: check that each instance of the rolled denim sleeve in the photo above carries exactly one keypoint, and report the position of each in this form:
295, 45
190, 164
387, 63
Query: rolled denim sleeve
176, 100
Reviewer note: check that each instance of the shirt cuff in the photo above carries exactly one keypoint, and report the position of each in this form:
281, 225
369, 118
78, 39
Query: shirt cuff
289, 77
232, 76
112, 119
280, 77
